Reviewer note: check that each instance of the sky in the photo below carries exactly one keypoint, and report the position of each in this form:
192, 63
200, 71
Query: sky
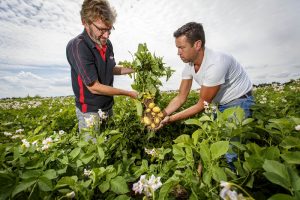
264, 36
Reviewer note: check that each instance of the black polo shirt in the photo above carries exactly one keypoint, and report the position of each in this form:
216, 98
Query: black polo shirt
87, 66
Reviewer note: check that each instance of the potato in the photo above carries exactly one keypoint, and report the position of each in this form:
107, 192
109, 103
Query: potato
156, 120
148, 110
151, 105
153, 125
156, 109
147, 121
160, 114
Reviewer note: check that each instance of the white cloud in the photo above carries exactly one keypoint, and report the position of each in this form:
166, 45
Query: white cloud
28, 83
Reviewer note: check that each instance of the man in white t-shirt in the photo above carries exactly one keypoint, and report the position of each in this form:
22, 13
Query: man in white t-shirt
222, 79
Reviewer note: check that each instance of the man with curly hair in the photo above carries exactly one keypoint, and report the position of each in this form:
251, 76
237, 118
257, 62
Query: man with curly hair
92, 62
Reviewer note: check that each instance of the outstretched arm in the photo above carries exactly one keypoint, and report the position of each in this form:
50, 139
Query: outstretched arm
206, 94
180, 99
98, 88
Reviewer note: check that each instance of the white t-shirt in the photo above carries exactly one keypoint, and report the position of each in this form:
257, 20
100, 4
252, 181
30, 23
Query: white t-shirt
220, 69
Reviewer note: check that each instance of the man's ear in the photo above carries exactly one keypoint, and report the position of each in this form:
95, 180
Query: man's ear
198, 44
83, 21
85, 24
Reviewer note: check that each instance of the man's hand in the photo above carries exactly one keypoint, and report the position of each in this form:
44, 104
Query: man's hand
163, 122
133, 94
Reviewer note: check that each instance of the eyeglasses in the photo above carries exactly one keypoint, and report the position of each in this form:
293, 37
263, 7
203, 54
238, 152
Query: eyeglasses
103, 30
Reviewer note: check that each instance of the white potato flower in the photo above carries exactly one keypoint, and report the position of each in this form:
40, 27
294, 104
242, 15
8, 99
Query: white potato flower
61, 132
7, 134
19, 130
87, 173
70, 195
26, 143
147, 186
102, 115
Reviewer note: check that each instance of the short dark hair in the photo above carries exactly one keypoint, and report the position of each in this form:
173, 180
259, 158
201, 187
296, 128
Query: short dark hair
193, 32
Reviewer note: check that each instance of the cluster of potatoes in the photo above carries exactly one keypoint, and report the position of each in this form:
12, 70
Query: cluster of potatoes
152, 115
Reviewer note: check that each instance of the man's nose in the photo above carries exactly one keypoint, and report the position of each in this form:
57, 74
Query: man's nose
106, 35
179, 52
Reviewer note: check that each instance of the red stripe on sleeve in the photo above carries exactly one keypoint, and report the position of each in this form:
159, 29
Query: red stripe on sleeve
81, 95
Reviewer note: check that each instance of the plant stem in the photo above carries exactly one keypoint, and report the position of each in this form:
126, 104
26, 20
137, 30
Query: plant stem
239, 187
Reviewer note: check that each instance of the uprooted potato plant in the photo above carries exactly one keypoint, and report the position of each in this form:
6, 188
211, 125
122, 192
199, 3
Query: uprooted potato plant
148, 69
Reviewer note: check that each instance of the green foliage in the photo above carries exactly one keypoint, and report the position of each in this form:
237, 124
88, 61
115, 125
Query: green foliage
188, 156
148, 69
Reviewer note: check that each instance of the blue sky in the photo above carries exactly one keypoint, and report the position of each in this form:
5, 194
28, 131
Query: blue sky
264, 36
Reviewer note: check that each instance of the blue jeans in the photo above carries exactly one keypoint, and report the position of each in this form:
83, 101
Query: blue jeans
245, 104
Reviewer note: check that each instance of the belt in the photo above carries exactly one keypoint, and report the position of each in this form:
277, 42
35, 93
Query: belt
246, 95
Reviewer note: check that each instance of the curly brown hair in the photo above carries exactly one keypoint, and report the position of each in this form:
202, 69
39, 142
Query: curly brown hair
92, 10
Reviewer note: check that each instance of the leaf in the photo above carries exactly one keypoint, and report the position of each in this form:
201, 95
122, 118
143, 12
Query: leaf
247, 121
143, 168
167, 187
119, 185
254, 161
204, 118
45, 184
139, 107
6, 185
276, 179
196, 135
291, 157
296, 185
86, 184
103, 187
101, 153
192, 122
78, 163
290, 142
82, 143
218, 149
87, 158
250, 182
238, 145
218, 174
189, 155
31, 174
75, 152
240, 114
281, 197
64, 160
228, 113
205, 153
50, 174
178, 152
271, 153
277, 173
207, 176
62, 170
37, 130
276, 167
23, 186
67, 181
186, 139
